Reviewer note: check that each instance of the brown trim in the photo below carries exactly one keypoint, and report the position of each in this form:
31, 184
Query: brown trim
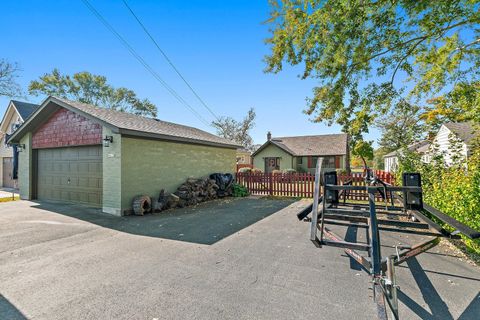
337, 162
34, 181
68, 146
157, 137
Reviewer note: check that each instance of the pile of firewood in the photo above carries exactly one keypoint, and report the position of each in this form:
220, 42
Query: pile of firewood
194, 191
191, 192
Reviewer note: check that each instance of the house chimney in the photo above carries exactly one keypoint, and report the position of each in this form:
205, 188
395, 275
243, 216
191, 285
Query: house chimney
269, 136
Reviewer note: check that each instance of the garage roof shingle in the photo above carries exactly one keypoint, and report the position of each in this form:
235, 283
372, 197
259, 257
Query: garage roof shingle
136, 123
124, 123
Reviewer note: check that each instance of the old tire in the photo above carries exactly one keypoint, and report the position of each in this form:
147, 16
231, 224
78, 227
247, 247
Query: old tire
141, 205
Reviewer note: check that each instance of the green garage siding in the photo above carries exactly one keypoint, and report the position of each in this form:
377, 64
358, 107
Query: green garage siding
147, 166
72, 174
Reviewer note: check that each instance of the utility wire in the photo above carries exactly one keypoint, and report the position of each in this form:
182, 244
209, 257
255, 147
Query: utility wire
169, 61
143, 62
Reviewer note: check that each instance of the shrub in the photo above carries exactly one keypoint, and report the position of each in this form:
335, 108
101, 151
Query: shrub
289, 171
239, 190
276, 171
256, 170
453, 190
245, 169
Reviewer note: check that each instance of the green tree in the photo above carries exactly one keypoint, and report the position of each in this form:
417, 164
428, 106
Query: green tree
400, 127
364, 150
93, 89
237, 131
357, 49
8, 74
378, 154
462, 103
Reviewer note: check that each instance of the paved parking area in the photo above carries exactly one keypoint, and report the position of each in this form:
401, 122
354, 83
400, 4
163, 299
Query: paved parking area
234, 259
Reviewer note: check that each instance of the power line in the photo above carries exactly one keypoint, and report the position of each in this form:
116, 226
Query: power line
169, 61
143, 62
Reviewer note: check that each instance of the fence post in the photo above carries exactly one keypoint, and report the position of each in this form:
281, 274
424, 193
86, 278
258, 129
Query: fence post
270, 183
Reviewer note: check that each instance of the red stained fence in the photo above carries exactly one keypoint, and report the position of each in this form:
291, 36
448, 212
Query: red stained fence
300, 185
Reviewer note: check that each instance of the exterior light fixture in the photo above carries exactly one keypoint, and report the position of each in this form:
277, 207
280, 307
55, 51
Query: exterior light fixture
107, 140
20, 147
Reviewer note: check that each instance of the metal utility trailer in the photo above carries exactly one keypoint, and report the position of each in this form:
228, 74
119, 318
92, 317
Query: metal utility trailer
412, 216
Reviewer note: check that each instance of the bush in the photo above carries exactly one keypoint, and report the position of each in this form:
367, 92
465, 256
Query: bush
289, 171
245, 169
453, 190
277, 172
239, 190
256, 170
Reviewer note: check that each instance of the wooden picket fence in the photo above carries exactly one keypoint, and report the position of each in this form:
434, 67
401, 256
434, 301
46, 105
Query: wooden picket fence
300, 185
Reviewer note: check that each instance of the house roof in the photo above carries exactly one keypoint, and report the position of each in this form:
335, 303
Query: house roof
419, 147
464, 130
128, 124
25, 109
318, 145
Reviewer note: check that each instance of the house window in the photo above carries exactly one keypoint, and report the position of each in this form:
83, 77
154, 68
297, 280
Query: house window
312, 162
329, 162
299, 160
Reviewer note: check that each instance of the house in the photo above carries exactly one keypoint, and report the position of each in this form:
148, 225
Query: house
14, 116
461, 134
75, 152
420, 147
244, 156
453, 139
301, 153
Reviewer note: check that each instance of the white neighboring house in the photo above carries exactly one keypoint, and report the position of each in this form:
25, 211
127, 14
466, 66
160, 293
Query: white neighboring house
421, 147
14, 116
462, 132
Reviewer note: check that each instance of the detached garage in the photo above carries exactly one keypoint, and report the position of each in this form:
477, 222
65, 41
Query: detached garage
78, 153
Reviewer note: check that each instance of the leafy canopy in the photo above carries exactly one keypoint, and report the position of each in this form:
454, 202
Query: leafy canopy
400, 127
93, 89
8, 74
237, 131
357, 50
460, 104
364, 150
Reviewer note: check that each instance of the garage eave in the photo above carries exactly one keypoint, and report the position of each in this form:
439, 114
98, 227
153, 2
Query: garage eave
155, 136
46, 109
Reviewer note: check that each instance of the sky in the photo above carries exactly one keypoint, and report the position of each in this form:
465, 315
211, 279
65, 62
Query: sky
217, 45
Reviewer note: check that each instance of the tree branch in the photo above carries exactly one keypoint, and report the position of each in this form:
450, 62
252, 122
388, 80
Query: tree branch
399, 64
439, 32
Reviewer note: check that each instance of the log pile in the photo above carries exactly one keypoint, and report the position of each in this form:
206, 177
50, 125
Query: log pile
194, 191
190, 193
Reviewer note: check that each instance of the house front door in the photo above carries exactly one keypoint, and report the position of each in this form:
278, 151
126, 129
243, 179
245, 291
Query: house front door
272, 164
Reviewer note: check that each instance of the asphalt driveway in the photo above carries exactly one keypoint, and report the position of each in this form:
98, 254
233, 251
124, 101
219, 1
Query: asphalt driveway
234, 259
